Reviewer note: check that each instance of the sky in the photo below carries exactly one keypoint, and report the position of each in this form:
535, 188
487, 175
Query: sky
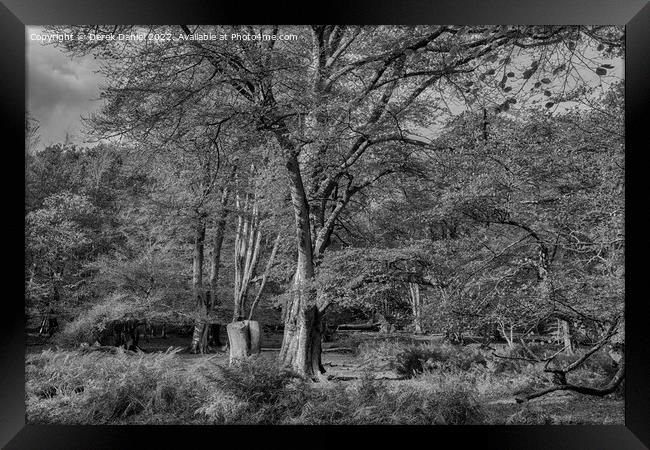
59, 90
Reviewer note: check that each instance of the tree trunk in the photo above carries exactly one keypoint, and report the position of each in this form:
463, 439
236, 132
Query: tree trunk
245, 338
301, 343
504, 333
416, 306
204, 332
565, 333
564, 327
217, 242
239, 339
247, 244
199, 342
265, 275
255, 336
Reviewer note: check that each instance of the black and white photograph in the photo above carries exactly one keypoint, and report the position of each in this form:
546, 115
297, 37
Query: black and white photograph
325, 225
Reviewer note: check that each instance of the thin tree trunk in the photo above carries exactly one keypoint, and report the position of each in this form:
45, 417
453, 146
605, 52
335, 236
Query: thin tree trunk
564, 327
217, 243
509, 340
416, 306
247, 245
267, 269
565, 333
199, 336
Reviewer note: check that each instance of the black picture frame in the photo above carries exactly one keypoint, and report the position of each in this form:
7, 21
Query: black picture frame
634, 14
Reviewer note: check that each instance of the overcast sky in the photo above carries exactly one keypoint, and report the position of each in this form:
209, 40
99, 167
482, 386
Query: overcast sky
59, 90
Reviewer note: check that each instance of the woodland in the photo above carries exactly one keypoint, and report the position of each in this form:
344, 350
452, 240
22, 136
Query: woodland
368, 224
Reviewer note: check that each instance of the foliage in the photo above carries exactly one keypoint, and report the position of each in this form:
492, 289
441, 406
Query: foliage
373, 402
257, 381
74, 388
528, 415
417, 359
95, 323
77, 388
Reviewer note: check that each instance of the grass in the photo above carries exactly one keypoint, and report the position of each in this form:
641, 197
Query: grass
441, 384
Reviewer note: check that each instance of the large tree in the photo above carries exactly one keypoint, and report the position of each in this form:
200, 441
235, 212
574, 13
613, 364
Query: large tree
346, 105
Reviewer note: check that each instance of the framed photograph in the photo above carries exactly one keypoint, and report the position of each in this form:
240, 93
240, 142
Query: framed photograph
411, 217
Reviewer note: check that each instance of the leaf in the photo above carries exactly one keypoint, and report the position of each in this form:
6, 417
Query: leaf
601, 71
549, 104
559, 69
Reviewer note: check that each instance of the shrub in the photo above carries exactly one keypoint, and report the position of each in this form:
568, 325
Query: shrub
600, 362
92, 325
529, 416
74, 388
256, 380
372, 401
417, 359
459, 406
540, 350
368, 402
256, 391
99, 388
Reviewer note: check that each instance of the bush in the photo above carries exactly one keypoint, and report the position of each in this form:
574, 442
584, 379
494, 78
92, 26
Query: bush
255, 391
600, 362
372, 401
95, 324
256, 380
99, 388
75, 388
418, 359
529, 416
459, 406
369, 402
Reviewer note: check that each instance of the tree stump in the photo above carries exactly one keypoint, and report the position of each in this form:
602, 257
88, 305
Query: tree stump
245, 338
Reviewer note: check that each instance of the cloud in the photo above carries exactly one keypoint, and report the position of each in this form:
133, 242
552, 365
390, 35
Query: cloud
60, 90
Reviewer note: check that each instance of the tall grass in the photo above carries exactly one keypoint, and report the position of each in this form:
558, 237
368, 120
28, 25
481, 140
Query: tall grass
75, 388
97, 388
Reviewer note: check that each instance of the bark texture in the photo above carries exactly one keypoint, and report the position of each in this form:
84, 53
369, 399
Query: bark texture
245, 338
301, 344
416, 306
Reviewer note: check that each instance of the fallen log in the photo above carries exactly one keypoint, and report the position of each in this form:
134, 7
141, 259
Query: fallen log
338, 349
359, 326
586, 390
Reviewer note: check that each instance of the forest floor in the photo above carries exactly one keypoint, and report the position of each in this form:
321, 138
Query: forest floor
349, 365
